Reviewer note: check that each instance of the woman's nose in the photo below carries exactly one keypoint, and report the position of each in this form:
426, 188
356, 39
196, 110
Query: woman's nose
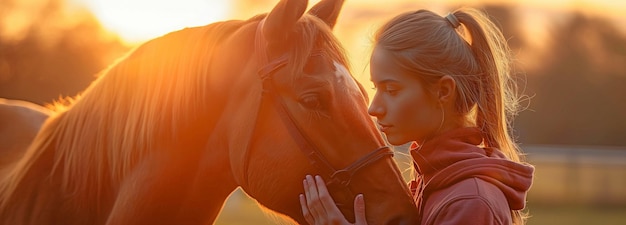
375, 108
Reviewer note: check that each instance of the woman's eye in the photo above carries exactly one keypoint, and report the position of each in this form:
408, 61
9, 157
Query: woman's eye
389, 90
392, 91
311, 102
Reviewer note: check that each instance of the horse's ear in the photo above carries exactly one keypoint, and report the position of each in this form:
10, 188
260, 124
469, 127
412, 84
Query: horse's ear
327, 10
281, 20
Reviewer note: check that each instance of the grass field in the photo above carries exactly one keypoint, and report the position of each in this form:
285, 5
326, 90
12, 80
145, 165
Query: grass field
240, 210
576, 215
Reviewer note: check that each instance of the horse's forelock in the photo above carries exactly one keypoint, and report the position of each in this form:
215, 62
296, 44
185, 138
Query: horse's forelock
312, 34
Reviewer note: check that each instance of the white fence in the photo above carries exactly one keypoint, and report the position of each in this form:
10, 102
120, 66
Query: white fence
578, 175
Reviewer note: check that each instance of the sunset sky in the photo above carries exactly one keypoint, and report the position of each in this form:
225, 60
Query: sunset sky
136, 21
139, 20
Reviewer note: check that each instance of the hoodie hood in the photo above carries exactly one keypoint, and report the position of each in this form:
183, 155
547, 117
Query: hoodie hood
455, 156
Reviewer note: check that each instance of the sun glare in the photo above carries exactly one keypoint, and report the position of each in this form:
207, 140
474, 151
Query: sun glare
139, 20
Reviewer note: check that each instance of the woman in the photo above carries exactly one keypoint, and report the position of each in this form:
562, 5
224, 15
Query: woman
443, 83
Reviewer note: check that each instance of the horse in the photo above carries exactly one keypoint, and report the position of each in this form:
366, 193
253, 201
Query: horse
19, 123
165, 134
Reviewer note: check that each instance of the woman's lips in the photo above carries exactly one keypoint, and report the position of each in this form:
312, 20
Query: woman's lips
383, 127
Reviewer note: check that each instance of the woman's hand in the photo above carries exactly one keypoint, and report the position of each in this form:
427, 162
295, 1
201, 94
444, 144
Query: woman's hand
319, 208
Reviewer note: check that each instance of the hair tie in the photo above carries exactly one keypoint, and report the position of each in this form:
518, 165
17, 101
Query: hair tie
453, 20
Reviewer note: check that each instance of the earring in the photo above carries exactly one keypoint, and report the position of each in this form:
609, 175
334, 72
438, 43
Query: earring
443, 117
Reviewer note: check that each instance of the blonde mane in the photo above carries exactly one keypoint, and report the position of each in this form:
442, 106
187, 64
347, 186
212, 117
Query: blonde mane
97, 137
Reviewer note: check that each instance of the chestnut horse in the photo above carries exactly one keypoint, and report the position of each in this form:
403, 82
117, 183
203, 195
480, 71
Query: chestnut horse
165, 134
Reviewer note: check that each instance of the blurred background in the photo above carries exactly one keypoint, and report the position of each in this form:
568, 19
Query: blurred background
570, 62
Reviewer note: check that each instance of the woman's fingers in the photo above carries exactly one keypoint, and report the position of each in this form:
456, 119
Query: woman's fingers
305, 210
313, 203
327, 201
359, 210
318, 206
333, 214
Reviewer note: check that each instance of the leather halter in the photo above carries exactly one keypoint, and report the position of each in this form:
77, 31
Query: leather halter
331, 175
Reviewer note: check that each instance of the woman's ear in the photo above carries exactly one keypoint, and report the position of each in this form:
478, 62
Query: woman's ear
446, 89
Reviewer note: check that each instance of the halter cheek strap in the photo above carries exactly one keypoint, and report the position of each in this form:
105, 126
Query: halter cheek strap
342, 177
266, 68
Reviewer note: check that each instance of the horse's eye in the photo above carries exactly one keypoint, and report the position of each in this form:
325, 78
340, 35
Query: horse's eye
311, 102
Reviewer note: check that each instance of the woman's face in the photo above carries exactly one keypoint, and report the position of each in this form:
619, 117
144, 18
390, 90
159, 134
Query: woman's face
403, 106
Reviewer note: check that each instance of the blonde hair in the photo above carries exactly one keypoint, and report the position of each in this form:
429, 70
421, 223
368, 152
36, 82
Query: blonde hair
475, 54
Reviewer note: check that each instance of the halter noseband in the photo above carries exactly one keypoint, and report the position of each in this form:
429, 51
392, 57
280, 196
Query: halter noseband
333, 176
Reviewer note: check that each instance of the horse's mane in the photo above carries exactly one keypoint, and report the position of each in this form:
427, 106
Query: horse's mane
97, 137
148, 94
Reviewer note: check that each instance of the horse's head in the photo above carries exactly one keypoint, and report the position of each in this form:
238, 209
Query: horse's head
299, 111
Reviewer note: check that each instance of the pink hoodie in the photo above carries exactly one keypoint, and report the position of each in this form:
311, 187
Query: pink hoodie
467, 184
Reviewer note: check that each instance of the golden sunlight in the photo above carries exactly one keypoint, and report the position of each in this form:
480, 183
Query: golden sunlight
139, 20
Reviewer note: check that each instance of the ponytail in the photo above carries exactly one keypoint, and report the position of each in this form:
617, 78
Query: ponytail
497, 100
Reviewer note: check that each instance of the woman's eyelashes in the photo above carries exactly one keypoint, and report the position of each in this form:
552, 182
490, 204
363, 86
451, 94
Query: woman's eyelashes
390, 89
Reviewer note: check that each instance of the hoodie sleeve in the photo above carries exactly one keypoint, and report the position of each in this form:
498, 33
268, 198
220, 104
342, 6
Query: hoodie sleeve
467, 211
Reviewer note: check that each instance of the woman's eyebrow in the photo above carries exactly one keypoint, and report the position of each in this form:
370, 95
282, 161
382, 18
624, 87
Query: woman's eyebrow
385, 81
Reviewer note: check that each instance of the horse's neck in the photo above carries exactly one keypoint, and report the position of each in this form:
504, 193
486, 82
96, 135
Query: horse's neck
34, 199
34, 203
40, 198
